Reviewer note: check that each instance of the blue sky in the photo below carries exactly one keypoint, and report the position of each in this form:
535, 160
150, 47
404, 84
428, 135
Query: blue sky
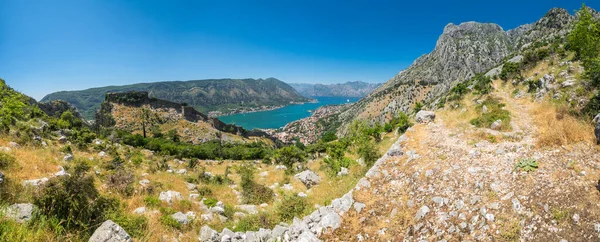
53, 45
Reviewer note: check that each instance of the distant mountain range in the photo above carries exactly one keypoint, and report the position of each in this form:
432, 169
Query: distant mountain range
222, 95
348, 89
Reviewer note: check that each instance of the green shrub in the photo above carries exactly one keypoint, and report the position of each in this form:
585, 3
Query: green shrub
336, 159
135, 225
66, 149
402, 122
510, 70
418, 107
253, 192
482, 84
291, 206
6, 160
185, 205
137, 161
152, 201
368, 151
329, 136
204, 191
210, 202
592, 71
494, 112
169, 221
74, 200
584, 39
289, 156
255, 222
228, 211
592, 108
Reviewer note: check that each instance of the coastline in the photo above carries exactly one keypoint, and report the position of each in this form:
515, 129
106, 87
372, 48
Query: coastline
218, 114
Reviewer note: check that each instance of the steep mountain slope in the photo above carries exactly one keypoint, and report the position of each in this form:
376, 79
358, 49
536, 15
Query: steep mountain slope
461, 52
225, 95
348, 89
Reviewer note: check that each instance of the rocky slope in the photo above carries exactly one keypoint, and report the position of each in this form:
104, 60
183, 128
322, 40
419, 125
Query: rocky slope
309, 130
461, 52
136, 112
348, 89
223, 95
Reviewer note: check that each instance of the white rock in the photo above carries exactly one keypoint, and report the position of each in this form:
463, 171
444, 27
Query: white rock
422, 212
249, 209
308, 178
68, 157
110, 232
288, 187
496, 125
302, 194
20, 212
169, 196
180, 218
140, 210
424, 117
359, 206
144, 182
343, 171
35, 182
208, 235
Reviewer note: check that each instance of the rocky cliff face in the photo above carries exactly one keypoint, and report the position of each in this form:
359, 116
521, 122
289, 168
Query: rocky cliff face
461, 52
348, 89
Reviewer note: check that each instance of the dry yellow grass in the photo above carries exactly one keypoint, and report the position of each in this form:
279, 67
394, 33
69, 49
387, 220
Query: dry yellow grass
556, 127
32, 162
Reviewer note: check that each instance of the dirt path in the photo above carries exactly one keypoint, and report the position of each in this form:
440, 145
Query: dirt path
452, 185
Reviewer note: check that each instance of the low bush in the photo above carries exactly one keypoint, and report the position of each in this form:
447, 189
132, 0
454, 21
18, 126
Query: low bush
253, 192
255, 222
135, 225
74, 200
6, 160
291, 206
210, 202
510, 70
527, 164
169, 221
205, 191
289, 156
121, 182
152, 201
494, 112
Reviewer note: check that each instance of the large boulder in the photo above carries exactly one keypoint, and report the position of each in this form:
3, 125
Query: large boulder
208, 235
250, 209
597, 128
424, 117
35, 182
181, 218
169, 196
110, 232
309, 178
20, 212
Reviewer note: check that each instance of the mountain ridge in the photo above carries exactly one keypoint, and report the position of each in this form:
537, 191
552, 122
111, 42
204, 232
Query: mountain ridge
460, 52
224, 95
346, 89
